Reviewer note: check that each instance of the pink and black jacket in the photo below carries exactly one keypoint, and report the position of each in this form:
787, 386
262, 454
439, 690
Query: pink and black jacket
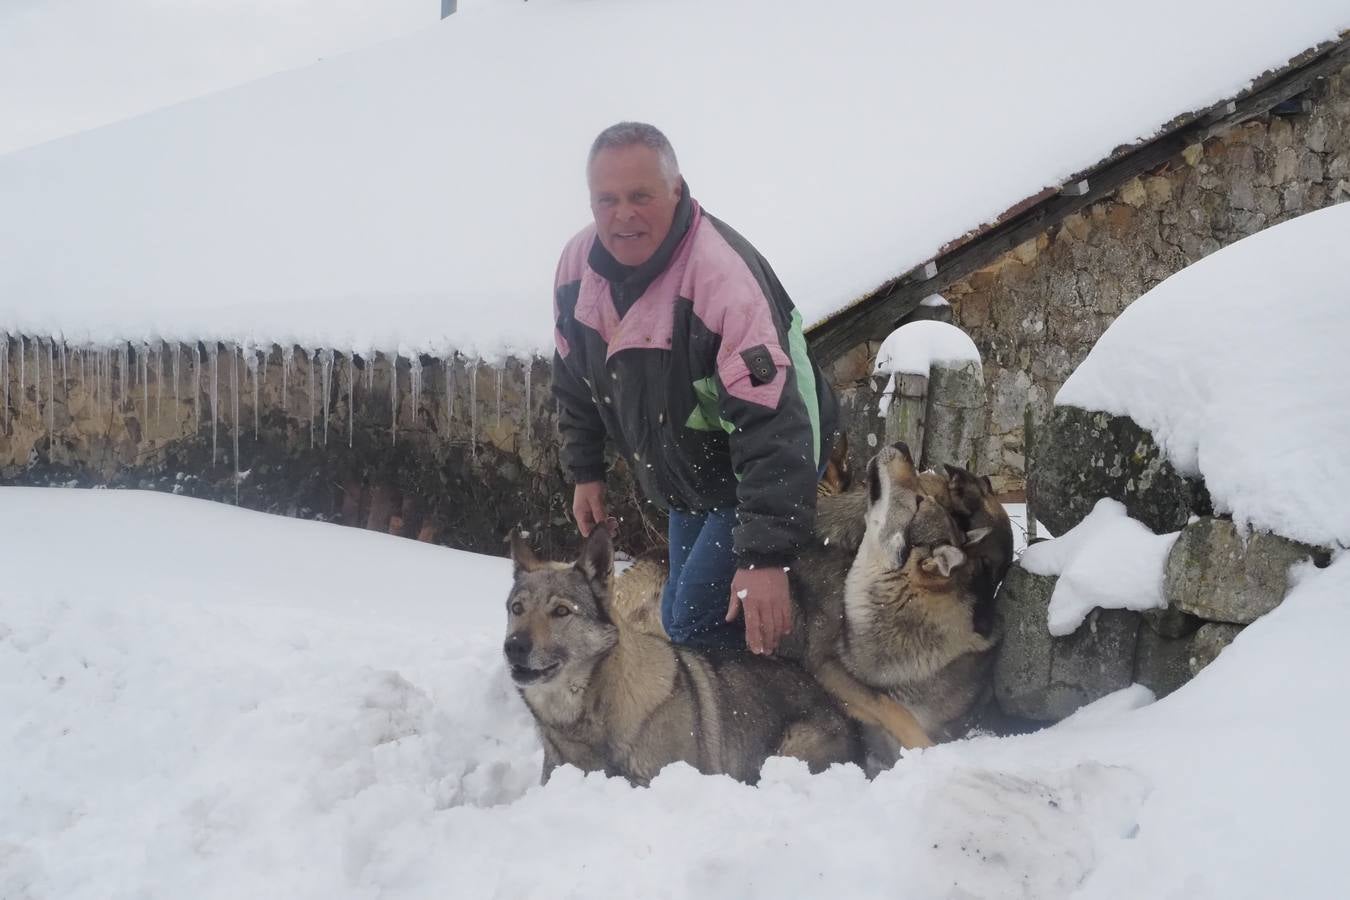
695, 366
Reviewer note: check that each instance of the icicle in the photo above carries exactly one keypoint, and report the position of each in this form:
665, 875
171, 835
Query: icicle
287, 358
159, 381
237, 357
449, 363
312, 412
23, 348
370, 373
259, 373
144, 354
4, 372
123, 377
501, 371
197, 390
37, 379
173, 371
473, 409
393, 398
64, 375
351, 403
529, 372
214, 351
326, 368
83, 380
51, 394
415, 374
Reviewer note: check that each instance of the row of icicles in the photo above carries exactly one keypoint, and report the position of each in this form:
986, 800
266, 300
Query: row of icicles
97, 370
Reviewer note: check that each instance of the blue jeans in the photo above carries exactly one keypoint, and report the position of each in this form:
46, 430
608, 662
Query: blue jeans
694, 603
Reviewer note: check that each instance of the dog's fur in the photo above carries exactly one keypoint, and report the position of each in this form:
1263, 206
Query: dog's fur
909, 602
973, 504
611, 697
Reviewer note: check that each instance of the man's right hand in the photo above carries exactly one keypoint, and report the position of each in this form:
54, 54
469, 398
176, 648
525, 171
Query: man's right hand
588, 506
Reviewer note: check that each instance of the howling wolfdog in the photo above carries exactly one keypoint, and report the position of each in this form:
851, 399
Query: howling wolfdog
610, 696
909, 603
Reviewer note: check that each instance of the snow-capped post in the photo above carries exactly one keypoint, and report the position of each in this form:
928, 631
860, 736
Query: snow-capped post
934, 399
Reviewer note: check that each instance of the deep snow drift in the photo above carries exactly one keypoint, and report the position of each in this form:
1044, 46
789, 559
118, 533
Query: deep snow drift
1238, 366
205, 702
416, 195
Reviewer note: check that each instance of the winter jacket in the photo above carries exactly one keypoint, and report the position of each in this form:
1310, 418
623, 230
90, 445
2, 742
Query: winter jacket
695, 366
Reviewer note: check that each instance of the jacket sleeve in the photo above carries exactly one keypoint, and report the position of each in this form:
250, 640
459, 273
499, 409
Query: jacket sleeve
773, 439
583, 431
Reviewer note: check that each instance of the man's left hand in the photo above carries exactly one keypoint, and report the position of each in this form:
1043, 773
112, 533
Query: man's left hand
763, 595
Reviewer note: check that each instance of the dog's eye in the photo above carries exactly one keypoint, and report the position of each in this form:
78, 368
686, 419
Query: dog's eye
561, 612
517, 608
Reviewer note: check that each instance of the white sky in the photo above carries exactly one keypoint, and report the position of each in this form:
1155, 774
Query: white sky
70, 65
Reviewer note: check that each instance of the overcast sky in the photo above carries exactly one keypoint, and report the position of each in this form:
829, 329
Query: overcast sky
70, 65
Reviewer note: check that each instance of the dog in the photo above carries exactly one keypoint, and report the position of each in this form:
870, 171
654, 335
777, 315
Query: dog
608, 696
972, 502
909, 603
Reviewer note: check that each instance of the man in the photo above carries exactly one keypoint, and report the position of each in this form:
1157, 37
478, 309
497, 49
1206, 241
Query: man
675, 339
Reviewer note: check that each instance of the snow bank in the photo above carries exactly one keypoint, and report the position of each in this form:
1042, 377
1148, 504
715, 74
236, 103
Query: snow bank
204, 702
1238, 366
415, 195
1108, 560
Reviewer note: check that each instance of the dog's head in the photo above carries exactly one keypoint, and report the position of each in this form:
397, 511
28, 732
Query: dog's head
892, 501
967, 490
938, 548
559, 615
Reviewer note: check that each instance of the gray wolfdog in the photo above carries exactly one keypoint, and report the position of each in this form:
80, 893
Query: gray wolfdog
909, 603
611, 696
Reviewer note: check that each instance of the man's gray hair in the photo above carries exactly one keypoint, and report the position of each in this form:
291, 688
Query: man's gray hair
626, 134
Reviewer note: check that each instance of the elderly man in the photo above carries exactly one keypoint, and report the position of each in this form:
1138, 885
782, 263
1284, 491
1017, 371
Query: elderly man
675, 339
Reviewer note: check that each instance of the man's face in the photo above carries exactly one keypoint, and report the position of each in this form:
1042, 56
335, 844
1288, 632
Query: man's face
633, 204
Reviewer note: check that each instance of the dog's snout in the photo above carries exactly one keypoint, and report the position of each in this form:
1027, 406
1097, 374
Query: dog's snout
517, 648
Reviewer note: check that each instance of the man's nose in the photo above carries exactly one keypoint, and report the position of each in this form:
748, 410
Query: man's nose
517, 648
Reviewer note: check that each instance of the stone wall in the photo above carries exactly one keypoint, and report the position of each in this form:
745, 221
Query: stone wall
1037, 311
378, 443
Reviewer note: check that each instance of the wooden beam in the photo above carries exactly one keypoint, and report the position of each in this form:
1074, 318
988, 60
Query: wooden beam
874, 317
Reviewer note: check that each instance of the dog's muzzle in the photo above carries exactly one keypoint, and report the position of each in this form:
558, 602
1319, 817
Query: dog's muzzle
518, 649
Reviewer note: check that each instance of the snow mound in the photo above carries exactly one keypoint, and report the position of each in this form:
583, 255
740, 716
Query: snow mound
204, 702
415, 195
915, 348
1238, 366
1106, 561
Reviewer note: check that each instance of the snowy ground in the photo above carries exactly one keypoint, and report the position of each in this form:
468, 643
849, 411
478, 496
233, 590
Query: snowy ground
415, 195
205, 702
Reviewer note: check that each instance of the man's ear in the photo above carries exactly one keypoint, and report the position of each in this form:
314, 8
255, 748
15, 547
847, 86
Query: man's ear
597, 554
947, 558
522, 554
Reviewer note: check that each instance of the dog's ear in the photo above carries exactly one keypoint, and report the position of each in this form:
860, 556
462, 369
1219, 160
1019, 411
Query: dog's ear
979, 534
522, 554
987, 485
944, 559
596, 561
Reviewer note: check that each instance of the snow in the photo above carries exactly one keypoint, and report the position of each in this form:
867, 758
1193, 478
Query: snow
934, 301
415, 195
208, 702
1237, 365
1106, 561
913, 349
91, 62
1017, 515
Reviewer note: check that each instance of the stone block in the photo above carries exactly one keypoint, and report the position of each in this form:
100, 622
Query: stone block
1207, 643
1083, 456
1162, 664
1170, 622
1216, 575
1037, 676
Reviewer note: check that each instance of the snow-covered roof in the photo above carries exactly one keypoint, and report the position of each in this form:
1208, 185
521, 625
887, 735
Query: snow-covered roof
415, 195
1238, 366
